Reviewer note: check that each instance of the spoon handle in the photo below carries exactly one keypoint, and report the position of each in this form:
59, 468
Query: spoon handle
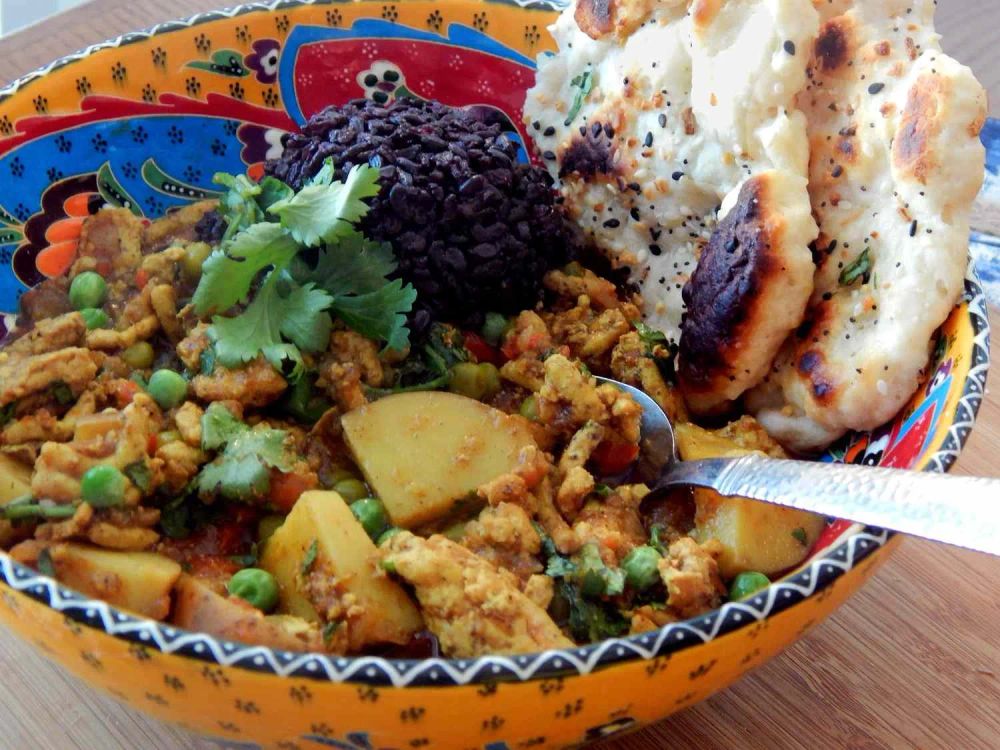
964, 511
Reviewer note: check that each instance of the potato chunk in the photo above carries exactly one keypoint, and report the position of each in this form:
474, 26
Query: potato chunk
754, 535
140, 582
423, 451
200, 609
15, 479
340, 581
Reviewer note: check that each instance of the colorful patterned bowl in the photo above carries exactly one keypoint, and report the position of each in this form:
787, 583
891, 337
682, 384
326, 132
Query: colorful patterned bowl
143, 121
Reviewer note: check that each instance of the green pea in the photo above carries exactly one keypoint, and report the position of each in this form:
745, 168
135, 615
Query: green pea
194, 258
87, 289
139, 356
371, 514
167, 388
267, 526
747, 584
103, 486
640, 566
95, 317
255, 586
465, 380
529, 408
494, 328
489, 376
351, 489
388, 534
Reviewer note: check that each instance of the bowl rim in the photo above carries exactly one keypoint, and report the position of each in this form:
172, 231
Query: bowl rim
854, 545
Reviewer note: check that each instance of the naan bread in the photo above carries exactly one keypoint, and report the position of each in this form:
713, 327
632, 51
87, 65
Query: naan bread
749, 291
652, 113
895, 163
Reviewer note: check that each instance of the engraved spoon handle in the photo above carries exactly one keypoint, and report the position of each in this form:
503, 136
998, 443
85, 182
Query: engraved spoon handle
964, 511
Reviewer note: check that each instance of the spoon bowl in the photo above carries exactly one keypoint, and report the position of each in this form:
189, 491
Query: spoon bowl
962, 511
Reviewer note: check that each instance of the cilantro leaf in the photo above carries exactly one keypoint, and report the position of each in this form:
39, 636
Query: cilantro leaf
379, 315
258, 329
353, 265
325, 175
241, 338
589, 621
238, 205
649, 336
218, 426
272, 190
583, 84
859, 268
323, 213
309, 559
242, 470
304, 321
229, 272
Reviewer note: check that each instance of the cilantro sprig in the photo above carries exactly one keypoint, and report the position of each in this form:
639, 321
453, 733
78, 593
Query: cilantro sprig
288, 306
242, 470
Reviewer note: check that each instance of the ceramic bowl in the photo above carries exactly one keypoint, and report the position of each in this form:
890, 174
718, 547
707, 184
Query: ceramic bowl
143, 121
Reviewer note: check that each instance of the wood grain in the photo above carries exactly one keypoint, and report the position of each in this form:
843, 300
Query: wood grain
910, 662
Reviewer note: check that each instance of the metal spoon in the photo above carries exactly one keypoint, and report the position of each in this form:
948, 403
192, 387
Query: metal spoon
964, 511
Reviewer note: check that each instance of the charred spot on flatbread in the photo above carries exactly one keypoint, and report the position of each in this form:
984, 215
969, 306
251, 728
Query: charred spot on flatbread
590, 154
833, 46
595, 17
748, 291
723, 288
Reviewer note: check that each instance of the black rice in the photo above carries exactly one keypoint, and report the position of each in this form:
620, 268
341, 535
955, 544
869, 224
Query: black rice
472, 229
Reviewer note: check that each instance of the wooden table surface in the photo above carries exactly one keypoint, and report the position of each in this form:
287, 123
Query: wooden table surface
912, 661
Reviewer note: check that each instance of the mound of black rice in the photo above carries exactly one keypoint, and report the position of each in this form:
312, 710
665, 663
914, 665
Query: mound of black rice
472, 229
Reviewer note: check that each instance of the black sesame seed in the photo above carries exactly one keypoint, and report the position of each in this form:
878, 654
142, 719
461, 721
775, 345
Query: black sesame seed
612, 224
635, 186
536, 125
662, 119
913, 228
837, 171
634, 213
790, 47
655, 249
548, 155
875, 88
649, 140
549, 131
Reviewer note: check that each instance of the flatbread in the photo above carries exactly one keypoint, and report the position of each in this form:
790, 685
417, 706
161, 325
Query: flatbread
895, 164
748, 292
652, 113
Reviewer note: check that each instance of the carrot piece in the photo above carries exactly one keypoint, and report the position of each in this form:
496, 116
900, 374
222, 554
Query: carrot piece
286, 488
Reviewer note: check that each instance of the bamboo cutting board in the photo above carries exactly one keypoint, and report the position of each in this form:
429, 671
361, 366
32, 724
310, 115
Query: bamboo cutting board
912, 661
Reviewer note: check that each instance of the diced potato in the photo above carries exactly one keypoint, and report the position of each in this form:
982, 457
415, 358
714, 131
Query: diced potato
199, 608
140, 582
421, 452
343, 583
754, 535
15, 479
